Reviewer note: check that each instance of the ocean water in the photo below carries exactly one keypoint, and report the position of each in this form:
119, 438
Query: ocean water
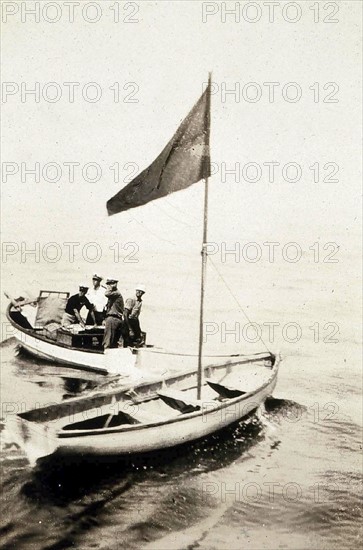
289, 478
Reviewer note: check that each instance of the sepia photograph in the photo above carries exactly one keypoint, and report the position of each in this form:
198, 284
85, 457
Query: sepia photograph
181, 275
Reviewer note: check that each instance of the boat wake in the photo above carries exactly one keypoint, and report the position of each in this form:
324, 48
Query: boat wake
268, 418
9, 343
282, 409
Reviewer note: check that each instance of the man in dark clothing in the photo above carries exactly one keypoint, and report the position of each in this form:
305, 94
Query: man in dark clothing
16, 309
74, 305
114, 315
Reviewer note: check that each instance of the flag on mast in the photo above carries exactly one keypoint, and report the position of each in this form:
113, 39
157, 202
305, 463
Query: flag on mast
184, 161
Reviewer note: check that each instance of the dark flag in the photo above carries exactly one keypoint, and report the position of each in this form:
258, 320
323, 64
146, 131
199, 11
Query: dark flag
184, 161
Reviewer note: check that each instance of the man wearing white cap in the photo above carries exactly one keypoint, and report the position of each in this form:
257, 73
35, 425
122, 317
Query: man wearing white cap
114, 315
96, 296
132, 313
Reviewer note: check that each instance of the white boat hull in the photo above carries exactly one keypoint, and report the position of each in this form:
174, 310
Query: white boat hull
163, 436
81, 359
67, 429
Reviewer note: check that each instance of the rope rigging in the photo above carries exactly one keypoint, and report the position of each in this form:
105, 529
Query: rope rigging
235, 298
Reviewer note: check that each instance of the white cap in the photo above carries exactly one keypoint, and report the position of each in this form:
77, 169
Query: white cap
111, 280
141, 287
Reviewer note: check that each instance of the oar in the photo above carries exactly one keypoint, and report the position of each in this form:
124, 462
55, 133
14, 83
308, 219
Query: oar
17, 302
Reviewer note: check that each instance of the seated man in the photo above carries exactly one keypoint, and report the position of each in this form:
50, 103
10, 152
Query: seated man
18, 308
131, 314
74, 305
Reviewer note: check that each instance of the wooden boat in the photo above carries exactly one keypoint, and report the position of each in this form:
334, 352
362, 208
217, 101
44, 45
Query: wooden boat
152, 416
47, 340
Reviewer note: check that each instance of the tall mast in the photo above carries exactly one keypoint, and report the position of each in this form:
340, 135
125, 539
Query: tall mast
204, 244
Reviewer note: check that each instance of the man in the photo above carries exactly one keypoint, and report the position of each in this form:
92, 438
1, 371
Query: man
20, 312
132, 313
114, 315
74, 305
96, 296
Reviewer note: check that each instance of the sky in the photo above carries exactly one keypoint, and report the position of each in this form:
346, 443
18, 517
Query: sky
160, 63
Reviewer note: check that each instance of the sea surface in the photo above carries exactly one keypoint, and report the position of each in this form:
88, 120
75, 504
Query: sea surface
289, 478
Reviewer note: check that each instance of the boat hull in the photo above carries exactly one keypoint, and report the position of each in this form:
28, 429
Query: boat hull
67, 429
159, 437
56, 354
53, 352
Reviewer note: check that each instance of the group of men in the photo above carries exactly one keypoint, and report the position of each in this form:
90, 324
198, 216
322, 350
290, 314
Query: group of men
106, 307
